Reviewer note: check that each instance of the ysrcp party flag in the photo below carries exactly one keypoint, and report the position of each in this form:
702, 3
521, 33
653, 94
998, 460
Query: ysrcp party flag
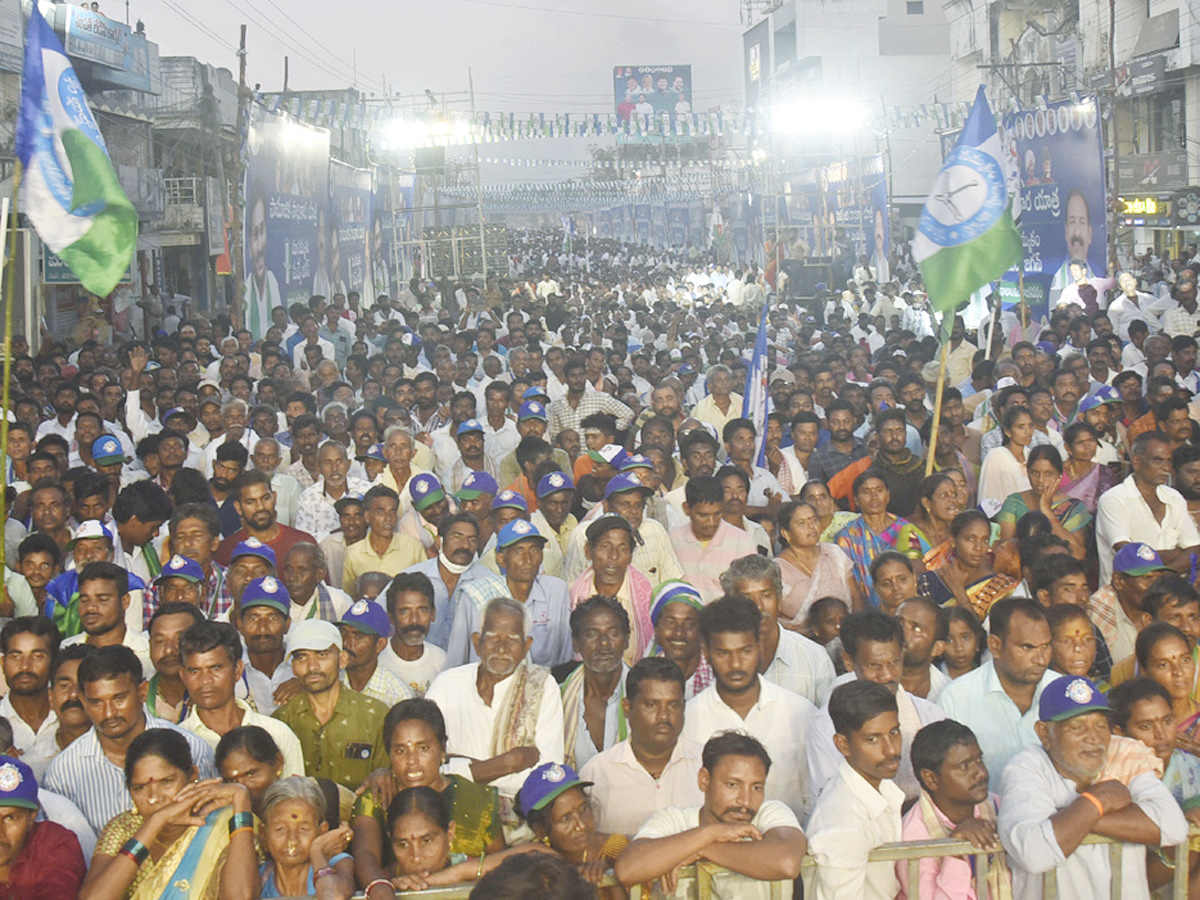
966, 236
754, 400
71, 191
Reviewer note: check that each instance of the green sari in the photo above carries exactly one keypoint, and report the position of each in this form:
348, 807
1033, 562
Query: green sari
474, 808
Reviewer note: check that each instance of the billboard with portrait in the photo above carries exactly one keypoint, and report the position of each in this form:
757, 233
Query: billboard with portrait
285, 233
348, 219
651, 90
1059, 154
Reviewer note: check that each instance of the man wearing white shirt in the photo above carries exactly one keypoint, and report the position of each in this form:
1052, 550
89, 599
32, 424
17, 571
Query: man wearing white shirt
759, 840
1054, 795
1143, 508
741, 699
412, 609
787, 658
29, 644
873, 650
308, 327
654, 768
211, 657
860, 809
478, 699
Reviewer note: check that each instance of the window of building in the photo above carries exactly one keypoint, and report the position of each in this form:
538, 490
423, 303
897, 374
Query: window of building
916, 7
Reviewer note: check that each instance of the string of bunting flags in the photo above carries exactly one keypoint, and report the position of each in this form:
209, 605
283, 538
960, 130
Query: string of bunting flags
585, 195
495, 127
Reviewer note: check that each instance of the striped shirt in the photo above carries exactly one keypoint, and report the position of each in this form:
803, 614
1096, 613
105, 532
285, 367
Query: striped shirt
90, 780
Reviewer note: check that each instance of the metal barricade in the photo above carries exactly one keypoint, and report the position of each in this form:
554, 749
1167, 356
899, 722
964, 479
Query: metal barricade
701, 881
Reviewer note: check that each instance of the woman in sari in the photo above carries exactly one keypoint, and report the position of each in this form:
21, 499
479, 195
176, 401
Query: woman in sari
872, 532
183, 840
927, 535
610, 573
833, 520
421, 838
1082, 478
810, 569
1164, 654
967, 579
305, 857
1069, 518
1003, 471
414, 734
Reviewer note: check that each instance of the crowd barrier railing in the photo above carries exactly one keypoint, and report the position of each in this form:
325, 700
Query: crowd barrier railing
701, 881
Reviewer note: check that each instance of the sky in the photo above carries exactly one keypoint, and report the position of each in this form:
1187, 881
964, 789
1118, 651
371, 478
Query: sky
535, 55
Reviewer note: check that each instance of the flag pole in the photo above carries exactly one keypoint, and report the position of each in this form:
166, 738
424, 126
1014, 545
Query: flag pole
937, 401
10, 258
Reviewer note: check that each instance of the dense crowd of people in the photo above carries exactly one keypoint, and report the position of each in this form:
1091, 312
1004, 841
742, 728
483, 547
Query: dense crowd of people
502, 584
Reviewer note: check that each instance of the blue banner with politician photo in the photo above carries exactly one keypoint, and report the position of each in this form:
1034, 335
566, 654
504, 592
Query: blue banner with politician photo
287, 189
348, 218
652, 90
1060, 158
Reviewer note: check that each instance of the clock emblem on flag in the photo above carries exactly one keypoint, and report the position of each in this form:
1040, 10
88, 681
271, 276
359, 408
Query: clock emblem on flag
967, 199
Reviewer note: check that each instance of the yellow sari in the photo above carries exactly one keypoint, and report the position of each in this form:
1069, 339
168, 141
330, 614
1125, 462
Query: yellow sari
189, 870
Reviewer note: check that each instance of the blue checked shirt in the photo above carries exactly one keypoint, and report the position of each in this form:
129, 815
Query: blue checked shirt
90, 780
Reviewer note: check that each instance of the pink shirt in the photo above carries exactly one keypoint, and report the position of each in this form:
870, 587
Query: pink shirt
703, 563
942, 878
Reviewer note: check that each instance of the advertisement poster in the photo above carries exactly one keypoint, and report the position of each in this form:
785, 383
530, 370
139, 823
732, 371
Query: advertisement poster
651, 90
677, 224
285, 242
641, 212
348, 215
696, 224
1060, 158
658, 225
849, 195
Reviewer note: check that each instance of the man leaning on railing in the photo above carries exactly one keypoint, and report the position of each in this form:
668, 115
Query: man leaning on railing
736, 828
1082, 780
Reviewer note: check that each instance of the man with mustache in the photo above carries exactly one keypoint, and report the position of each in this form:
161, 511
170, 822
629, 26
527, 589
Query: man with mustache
29, 644
1056, 794
65, 697
594, 691
520, 552
365, 631
338, 727
413, 608
955, 803
999, 700
736, 827
860, 808
211, 668
262, 618
254, 499
91, 771
741, 699
654, 768
503, 714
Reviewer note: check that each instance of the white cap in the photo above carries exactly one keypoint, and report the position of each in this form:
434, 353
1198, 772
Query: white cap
313, 634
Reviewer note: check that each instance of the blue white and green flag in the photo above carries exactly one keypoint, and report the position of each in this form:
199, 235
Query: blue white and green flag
70, 188
966, 235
